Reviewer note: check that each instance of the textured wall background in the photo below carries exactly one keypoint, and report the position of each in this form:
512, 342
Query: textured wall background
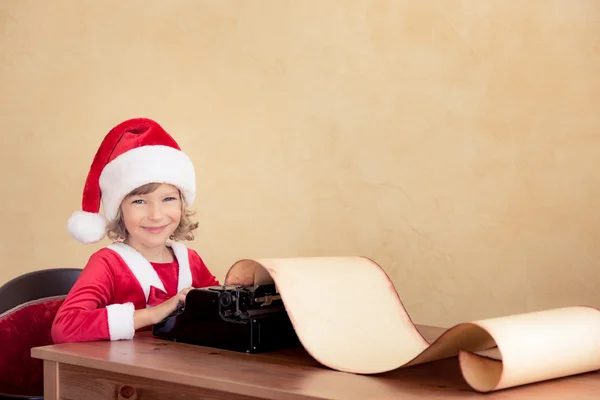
457, 145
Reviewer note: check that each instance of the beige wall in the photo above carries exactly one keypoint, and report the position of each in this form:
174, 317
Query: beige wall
455, 143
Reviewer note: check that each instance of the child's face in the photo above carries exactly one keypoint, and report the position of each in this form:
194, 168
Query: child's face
151, 218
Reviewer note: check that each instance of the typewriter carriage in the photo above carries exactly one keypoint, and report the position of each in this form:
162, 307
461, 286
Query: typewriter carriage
245, 314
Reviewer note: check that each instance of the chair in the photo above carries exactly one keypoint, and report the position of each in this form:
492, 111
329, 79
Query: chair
28, 304
37, 285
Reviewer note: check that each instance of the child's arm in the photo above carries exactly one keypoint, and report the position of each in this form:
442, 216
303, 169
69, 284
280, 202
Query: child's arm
86, 314
150, 316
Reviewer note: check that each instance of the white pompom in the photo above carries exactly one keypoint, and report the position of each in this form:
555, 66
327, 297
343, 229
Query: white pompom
87, 227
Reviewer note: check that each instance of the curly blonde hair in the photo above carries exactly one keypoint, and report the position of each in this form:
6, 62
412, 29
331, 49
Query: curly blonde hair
116, 230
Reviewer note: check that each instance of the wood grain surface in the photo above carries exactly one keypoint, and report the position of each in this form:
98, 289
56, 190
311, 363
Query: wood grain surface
148, 368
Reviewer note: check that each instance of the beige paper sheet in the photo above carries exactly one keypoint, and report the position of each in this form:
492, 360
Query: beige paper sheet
349, 317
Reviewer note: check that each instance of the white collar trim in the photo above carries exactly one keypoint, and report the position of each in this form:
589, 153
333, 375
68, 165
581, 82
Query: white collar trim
146, 275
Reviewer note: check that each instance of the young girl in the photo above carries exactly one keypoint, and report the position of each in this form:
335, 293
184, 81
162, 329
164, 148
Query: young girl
145, 184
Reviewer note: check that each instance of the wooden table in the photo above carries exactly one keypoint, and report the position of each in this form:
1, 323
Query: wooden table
151, 368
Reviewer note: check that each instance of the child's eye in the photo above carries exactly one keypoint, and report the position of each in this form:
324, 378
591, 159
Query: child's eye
137, 201
170, 199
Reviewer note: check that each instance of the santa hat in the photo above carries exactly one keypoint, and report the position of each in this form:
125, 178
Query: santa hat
134, 153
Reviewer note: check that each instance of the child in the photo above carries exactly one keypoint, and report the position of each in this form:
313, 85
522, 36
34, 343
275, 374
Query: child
145, 183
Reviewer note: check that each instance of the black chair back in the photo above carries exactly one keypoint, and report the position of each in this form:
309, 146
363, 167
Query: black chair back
37, 285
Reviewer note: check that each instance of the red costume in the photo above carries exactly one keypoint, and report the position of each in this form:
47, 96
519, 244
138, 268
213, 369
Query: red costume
118, 280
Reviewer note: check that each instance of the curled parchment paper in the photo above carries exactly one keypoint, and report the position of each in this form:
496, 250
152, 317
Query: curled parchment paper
349, 317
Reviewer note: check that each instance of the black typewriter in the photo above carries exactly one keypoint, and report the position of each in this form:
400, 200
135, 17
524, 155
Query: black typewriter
239, 318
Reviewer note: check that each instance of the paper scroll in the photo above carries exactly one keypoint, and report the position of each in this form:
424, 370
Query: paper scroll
348, 316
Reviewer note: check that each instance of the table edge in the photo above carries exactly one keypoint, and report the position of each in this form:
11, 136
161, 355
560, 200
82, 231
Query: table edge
224, 385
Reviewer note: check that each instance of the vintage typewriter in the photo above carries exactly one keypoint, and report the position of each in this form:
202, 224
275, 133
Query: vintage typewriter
240, 318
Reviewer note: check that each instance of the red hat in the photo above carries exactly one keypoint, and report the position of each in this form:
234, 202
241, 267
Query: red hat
134, 153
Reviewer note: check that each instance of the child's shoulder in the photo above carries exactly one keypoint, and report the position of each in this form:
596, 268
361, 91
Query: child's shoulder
102, 266
103, 258
104, 253
181, 248
192, 254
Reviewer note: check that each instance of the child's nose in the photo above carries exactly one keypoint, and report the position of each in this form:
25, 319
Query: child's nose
155, 212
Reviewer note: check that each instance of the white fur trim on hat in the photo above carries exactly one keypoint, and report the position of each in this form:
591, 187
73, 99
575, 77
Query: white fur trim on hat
87, 227
143, 165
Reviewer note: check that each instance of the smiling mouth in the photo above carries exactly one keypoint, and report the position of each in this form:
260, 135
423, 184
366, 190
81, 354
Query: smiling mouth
155, 229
